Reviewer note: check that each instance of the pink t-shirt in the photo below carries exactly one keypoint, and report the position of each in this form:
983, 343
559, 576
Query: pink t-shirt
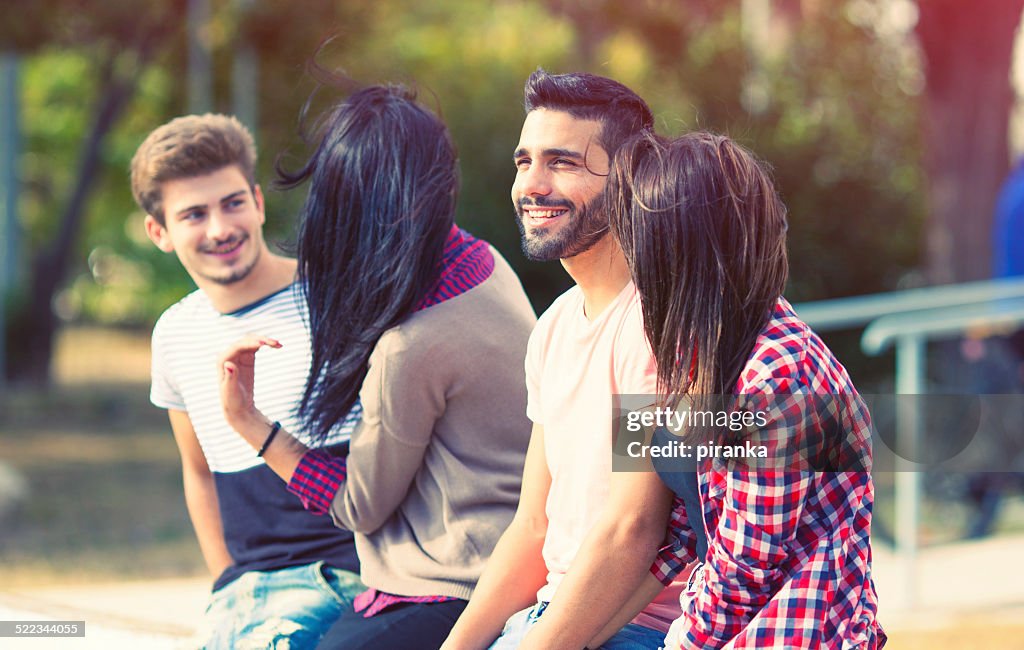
574, 369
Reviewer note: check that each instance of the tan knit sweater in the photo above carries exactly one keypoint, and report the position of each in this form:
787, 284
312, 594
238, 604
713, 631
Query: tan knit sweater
435, 467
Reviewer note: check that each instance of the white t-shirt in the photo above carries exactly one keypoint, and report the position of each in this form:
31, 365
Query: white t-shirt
575, 368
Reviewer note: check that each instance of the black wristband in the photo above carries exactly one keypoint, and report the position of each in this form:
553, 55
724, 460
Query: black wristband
274, 428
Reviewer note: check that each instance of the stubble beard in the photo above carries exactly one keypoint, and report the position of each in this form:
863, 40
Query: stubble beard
235, 275
585, 226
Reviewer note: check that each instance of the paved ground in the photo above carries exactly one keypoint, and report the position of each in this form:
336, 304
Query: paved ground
969, 595
154, 615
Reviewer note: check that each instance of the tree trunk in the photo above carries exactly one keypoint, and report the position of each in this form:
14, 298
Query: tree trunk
967, 50
34, 328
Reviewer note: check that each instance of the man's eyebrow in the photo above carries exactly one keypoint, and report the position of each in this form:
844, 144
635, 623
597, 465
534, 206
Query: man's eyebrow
562, 153
234, 195
197, 206
203, 206
549, 153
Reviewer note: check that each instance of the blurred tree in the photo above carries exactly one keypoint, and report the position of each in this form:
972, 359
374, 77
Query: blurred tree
121, 41
469, 62
99, 76
835, 111
968, 51
828, 99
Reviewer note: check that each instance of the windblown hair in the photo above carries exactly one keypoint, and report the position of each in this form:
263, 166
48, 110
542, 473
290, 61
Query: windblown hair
381, 203
193, 145
704, 233
585, 96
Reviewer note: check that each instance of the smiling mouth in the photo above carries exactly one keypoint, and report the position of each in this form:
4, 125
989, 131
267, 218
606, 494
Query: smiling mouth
226, 248
543, 213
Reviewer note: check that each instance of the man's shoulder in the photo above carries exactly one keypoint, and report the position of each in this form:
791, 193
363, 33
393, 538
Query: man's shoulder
190, 307
555, 331
562, 307
629, 314
197, 306
286, 300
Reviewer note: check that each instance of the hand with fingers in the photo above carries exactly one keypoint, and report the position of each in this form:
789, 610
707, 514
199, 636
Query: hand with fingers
237, 378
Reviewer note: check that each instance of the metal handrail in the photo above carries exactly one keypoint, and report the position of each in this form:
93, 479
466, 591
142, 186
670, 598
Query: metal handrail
857, 311
908, 320
932, 324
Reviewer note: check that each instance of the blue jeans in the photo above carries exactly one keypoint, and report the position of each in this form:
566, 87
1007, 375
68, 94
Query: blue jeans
631, 637
288, 608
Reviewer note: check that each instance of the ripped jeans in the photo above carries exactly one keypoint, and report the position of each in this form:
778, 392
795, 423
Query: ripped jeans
288, 608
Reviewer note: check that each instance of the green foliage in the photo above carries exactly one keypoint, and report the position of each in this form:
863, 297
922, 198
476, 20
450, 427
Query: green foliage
53, 117
114, 273
469, 61
831, 106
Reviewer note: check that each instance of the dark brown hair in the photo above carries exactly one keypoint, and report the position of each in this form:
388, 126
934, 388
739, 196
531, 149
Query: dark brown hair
704, 232
585, 96
189, 146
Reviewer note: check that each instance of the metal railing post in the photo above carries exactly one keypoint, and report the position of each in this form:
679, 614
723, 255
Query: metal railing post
910, 373
10, 151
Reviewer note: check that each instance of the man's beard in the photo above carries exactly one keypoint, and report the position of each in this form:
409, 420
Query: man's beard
584, 227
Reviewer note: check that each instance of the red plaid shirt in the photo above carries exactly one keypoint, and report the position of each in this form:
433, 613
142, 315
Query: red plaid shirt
789, 558
319, 476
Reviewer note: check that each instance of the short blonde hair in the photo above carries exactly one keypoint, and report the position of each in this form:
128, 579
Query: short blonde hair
188, 146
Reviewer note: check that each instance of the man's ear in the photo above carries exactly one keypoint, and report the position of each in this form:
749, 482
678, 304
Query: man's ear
158, 234
257, 195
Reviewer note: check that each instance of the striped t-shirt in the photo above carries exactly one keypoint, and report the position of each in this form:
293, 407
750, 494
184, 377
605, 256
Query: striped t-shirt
265, 527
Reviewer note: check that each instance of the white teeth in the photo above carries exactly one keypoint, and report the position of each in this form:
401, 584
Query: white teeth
545, 214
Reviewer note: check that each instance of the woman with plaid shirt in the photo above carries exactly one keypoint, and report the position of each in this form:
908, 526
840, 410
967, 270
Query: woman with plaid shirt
788, 554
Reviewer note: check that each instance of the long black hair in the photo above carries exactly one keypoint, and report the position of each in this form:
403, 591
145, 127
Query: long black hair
381, 203
704, 233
